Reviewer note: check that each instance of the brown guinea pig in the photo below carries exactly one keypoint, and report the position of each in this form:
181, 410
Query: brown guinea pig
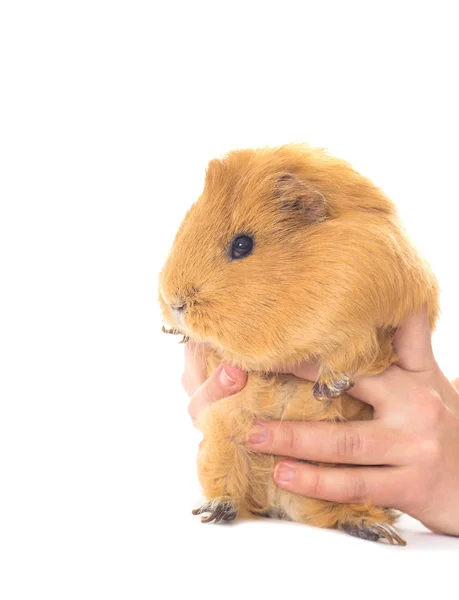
289, 255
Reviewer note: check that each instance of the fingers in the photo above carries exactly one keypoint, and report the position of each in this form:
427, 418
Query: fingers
194, 373
383, 486
413, 343
455, 383
383, 390
358, 443
224, 381
306, 370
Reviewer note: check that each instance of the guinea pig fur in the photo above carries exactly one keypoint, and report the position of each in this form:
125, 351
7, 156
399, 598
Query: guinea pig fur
289, 255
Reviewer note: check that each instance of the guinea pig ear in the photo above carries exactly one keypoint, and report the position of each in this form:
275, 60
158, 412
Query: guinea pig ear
298, 197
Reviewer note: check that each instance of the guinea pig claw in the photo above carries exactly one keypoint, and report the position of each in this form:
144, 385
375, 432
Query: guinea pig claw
184, 339
374, 532
220, 509
334, 389
171, 331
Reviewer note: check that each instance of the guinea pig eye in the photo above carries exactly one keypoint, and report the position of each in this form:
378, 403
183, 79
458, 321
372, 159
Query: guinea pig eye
241, 246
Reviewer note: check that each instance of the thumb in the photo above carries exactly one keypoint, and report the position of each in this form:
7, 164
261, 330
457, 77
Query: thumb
455, 383
225, 381
413, 343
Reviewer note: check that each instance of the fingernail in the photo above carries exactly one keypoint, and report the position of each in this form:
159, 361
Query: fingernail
258, 435
283, 473
228, 375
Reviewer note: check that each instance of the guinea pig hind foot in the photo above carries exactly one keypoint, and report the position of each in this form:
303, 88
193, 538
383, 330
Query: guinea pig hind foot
373, 532
332, 388
219, 509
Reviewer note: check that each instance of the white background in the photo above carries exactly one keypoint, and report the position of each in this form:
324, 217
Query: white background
109, 114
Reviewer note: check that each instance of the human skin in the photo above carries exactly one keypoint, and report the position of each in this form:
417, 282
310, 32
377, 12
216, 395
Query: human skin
408, 455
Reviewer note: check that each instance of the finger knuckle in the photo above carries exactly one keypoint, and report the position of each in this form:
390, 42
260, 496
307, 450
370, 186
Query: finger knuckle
318, 485
414, 492
429, 404
349, 444
430, 451
356, 490
293, 440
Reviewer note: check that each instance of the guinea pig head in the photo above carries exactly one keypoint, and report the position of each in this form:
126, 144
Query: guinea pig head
247, 272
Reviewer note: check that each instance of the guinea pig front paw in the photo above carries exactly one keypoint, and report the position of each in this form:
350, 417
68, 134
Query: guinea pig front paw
331, 389
170, 331
184, 339
220, 509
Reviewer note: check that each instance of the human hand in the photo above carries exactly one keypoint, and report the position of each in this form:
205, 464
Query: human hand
223, 382
409, 453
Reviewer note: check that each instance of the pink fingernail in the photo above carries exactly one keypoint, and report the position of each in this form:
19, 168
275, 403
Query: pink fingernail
283, 473
259, 435
228, 375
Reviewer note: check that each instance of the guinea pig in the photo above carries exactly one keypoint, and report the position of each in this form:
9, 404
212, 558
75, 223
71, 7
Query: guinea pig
289, 255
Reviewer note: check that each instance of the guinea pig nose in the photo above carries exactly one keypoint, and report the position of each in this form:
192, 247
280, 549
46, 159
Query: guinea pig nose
178, 307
